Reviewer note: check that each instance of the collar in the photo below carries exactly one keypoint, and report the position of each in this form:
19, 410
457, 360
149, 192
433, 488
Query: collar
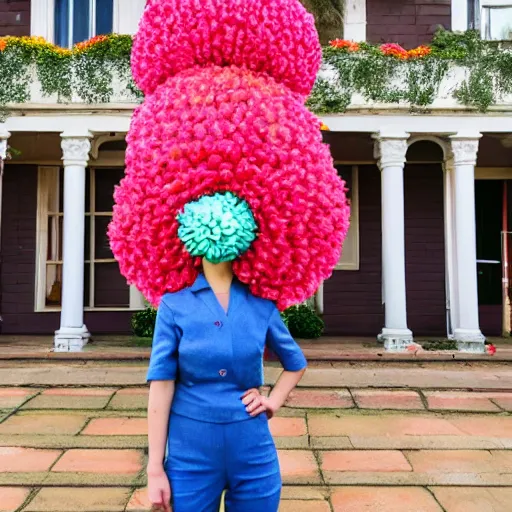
201, 283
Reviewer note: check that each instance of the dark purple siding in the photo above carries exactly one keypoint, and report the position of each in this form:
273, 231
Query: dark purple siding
424, 249
353, 299
407, 22
17, 274
490, 319
14, 17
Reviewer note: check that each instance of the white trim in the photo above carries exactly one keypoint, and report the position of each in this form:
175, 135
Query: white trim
42, 19
92, 17
137, 301
101, 139
424, 124
459, 15
349, 122
126, 20
350, 260
485, 16
354, 26
495, 3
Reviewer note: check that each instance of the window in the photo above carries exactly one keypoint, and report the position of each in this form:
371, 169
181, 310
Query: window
496, 20
350, 256
104, 286
79, 20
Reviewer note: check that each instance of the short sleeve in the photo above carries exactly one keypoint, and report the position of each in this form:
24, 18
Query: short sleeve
163, 364
283, 345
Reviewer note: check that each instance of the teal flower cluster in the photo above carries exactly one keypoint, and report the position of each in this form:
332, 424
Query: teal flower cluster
219, 227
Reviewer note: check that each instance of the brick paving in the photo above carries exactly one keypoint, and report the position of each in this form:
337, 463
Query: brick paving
71, 446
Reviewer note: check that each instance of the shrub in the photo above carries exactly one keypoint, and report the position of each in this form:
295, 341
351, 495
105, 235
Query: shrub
303, 322
143, 323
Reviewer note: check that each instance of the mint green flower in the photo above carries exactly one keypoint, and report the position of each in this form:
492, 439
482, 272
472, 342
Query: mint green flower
219, 227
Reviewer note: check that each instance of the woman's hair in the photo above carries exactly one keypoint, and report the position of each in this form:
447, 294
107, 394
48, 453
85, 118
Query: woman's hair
225, 83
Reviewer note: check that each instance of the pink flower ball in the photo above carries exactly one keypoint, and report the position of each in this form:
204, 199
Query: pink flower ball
219, 129
276, 37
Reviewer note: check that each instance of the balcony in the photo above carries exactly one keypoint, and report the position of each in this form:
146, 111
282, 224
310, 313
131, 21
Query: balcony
457, 73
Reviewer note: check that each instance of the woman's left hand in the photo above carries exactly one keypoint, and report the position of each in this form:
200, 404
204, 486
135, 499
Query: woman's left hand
256, 403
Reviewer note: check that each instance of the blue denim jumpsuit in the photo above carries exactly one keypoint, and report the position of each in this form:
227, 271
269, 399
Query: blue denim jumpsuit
214, 357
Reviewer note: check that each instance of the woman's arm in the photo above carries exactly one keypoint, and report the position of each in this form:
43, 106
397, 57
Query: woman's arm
294, 363
257, 404
284, 386
161, 393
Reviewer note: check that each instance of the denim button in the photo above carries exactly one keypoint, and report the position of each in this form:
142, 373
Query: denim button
223, 373
218, 323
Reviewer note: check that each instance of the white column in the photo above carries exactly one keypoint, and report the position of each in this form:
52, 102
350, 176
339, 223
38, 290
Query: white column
391, 149
354, 25
73, 334
467, 331
4, 137
449, 241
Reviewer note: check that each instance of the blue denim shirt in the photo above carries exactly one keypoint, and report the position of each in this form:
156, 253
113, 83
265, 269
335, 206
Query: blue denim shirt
215, 356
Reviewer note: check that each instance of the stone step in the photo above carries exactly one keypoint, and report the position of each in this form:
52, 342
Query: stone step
108, 401
294, 499
439, 376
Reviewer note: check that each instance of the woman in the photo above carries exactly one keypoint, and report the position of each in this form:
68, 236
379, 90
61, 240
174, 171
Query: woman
205, 372
225, 166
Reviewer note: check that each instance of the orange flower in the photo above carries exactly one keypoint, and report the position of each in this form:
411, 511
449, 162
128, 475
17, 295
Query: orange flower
91, 42
324, 127
344, 44
3, 44
394, 50
420, 52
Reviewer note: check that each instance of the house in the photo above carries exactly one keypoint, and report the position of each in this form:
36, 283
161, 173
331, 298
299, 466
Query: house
427, 251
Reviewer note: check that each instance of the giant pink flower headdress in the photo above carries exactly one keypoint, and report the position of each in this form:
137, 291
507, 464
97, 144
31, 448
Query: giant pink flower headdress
225, 82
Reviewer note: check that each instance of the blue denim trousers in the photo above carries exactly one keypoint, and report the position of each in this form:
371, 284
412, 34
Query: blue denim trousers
204, 459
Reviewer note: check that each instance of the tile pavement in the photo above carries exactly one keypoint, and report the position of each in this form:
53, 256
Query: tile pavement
76, 448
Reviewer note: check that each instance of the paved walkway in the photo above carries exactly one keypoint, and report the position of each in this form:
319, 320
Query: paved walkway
324, 349
353, 438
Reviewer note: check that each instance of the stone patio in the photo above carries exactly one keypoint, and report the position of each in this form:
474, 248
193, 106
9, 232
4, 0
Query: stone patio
359, 436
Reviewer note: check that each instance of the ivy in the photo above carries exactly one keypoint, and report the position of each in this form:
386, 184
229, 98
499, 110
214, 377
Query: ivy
98, 70
389, 78
88, 72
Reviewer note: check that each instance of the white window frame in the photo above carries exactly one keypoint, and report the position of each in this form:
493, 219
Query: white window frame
46, 176
125, 20
484, 24
350, 260
460, 22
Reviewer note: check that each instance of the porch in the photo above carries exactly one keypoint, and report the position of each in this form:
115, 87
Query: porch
328, 349
413, 227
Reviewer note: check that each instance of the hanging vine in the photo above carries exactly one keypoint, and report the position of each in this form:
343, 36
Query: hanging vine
390, 74
97, 70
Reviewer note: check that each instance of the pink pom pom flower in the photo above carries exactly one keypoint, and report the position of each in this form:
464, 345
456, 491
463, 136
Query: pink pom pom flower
226, 129
275, 37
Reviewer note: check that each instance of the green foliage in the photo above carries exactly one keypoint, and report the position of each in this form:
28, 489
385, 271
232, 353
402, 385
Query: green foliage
436, 345
90, 70
143, 323
303, 322
383, 78
86, 72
